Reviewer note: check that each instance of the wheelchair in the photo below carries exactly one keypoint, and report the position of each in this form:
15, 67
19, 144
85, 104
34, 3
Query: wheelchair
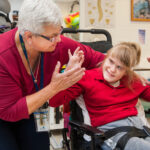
78, 128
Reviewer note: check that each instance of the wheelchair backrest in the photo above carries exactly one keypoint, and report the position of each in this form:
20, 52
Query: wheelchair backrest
101, 46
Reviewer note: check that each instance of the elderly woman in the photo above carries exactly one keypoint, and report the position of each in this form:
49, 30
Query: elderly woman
28, 56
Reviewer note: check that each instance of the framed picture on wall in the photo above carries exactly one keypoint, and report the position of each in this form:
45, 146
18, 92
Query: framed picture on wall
140, 10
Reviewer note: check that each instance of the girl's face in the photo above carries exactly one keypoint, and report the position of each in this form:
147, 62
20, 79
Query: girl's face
113, 69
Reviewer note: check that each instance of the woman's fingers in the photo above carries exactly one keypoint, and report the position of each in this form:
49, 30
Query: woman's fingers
62, 81
57, 68
69, 53
74, 70
69, 79
76, 76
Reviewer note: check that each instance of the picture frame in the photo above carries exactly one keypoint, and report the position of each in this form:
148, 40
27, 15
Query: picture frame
140, 10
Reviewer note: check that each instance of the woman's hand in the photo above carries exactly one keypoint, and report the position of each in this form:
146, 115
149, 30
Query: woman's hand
76, 59
62, 81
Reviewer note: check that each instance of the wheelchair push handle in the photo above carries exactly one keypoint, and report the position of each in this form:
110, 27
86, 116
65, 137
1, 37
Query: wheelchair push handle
92, 31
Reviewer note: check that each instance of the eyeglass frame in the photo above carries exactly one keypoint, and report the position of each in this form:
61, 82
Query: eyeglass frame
50, 39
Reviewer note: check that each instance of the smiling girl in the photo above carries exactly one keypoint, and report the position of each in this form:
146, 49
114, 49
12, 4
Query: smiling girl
111, 93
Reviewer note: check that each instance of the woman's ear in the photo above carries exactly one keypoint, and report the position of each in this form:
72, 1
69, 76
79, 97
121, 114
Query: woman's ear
28, 37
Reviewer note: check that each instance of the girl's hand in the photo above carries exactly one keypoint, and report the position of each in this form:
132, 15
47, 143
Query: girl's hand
62, 81
148, 59
76, 59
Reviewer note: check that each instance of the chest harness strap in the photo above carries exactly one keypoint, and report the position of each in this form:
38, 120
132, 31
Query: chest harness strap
131, 132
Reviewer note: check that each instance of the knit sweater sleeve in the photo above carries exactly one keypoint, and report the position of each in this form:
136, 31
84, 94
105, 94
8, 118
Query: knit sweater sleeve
65, 96
69, 94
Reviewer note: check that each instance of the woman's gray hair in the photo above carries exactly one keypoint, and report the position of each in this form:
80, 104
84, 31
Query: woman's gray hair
34, 14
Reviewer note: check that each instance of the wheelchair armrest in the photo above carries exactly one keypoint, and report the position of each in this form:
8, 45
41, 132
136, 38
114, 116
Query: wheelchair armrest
86, 129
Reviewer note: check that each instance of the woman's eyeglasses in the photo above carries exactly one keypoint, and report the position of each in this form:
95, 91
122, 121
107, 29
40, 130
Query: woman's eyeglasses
50, 39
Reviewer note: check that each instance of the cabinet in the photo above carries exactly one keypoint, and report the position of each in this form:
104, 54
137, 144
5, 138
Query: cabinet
56, 123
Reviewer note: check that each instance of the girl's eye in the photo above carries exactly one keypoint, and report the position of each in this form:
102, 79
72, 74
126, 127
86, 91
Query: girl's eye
111, 61
119, 67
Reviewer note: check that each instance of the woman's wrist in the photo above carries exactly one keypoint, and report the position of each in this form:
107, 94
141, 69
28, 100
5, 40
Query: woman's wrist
51, 90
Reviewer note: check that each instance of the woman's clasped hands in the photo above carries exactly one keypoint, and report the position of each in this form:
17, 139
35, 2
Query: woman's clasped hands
72, 74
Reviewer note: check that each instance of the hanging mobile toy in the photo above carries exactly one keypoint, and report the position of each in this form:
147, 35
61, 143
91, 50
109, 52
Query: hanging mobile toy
72, 20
